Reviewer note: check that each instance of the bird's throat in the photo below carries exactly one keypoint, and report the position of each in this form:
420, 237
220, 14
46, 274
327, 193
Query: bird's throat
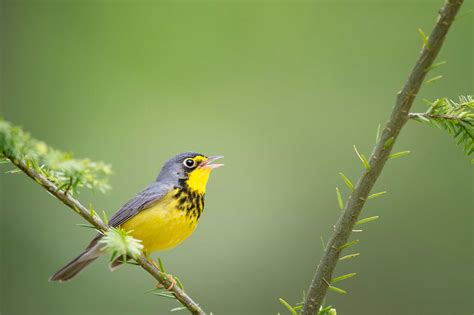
197, 180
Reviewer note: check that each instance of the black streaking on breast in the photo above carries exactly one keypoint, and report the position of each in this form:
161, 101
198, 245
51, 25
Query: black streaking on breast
190, 201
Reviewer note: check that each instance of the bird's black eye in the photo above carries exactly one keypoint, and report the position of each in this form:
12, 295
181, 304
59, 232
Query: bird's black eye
189, 163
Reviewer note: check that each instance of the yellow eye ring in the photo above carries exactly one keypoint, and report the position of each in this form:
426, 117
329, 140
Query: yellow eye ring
189, 163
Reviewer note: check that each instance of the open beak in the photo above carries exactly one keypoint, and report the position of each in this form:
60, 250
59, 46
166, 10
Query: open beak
210, 159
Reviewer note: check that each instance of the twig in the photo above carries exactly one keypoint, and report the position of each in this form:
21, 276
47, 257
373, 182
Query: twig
435, 116
74, 204
318, 288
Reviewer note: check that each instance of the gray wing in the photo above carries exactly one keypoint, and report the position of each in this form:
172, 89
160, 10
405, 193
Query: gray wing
143, 200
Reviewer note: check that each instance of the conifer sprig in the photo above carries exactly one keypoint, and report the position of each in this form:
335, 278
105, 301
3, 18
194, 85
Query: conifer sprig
457, 118
67, 173
119, 243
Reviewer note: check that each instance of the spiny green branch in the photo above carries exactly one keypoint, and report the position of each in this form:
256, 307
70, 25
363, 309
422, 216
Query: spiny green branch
375, 164
31, 157
457, 118
59, 167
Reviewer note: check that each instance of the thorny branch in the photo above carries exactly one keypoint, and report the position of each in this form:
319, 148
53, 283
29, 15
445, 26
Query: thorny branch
95, 220
319, 285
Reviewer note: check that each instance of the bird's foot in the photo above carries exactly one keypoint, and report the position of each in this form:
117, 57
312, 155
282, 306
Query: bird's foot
171, 286
170, 277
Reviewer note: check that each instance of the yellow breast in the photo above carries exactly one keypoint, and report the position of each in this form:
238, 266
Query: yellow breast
167, 223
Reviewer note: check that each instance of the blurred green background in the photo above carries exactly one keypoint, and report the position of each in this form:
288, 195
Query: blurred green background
283, 90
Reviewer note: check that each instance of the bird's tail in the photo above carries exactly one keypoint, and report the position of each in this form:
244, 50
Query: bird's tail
91, 253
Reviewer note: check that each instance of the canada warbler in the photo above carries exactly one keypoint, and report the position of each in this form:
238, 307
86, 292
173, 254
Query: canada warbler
162, 215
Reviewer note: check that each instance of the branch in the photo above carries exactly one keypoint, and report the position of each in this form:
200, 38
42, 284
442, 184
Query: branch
457, 118
320, 283
95, 220
435, 116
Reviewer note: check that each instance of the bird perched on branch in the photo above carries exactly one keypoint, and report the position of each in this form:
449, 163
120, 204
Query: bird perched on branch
162, 215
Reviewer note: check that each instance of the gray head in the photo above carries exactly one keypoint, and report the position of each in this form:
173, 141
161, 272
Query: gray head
185, 166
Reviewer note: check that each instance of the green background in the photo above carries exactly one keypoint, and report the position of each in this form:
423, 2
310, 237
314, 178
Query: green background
283, 90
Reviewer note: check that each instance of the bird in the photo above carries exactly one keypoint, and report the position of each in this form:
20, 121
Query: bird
161, 216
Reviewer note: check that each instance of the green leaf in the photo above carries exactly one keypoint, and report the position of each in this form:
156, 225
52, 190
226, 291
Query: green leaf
388, 143
113, 255
328, 310
165, 295
179, 283
349, 244
424, 38
343, 277
105, 217
347, 181
366, 220
398, 154
339, 199
437, 124
86, 225
288, 306
376, 195
350, 256
13, 171
433, 79
436, 65
423, 118
179, 308
337, 290
362, 158
92, 211
324, 310
377, 135
322, 242
461, 139
162, 266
